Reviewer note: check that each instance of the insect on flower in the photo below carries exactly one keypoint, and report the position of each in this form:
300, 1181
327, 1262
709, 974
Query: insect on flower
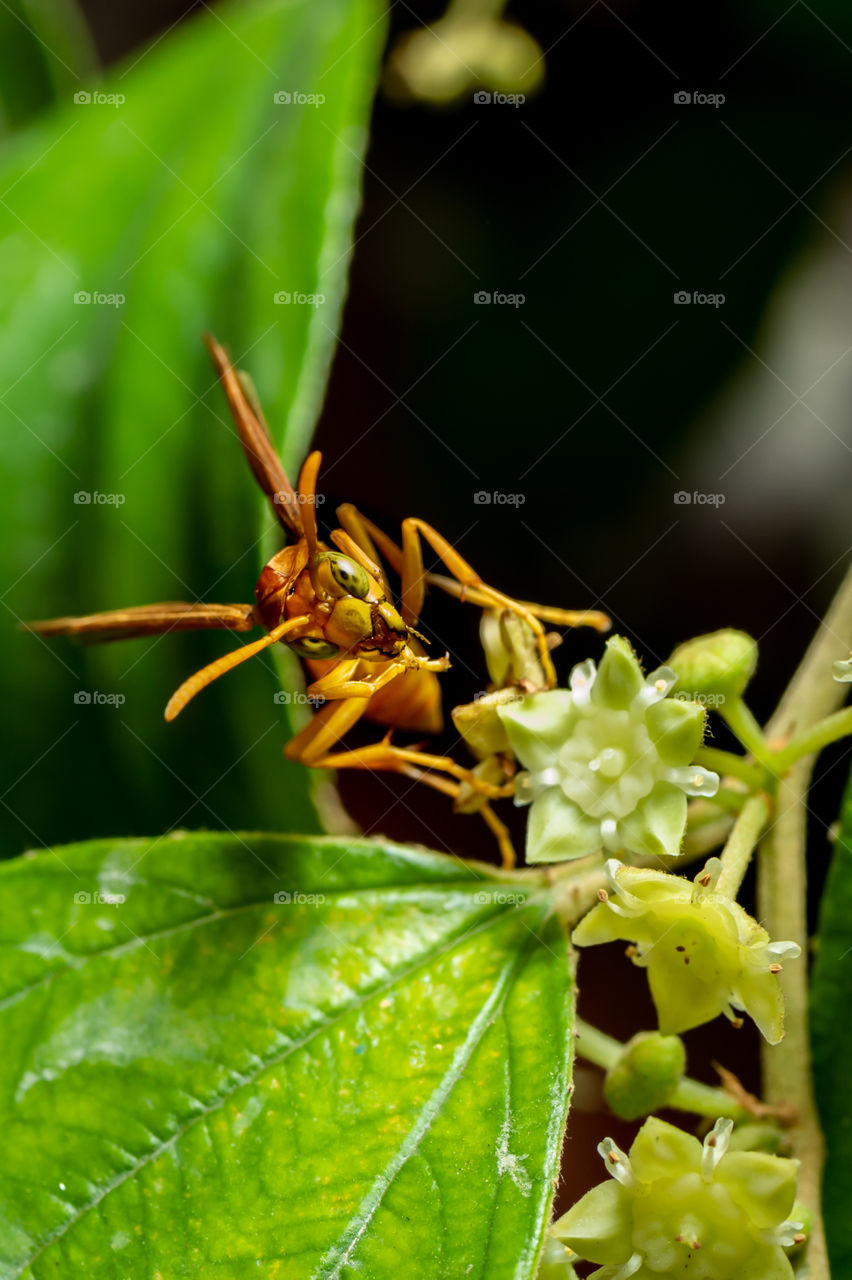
332, 605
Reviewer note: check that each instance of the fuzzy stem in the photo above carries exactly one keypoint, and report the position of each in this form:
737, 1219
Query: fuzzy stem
731, 765
831, 729
782, 892
741, 844
688, 1095
742, 723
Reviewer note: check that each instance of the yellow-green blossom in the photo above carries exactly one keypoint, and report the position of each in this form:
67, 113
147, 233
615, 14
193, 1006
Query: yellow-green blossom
704, 954
608, 762
678, 1208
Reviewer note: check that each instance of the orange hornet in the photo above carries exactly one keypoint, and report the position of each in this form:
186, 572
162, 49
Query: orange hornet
333, 606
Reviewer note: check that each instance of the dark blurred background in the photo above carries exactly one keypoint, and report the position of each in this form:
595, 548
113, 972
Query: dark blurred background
598, 398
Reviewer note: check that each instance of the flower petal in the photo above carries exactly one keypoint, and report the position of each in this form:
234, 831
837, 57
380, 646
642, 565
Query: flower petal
759, 993
767, 1262
538, 726
619, 676
763, 1186
656, 825
676, 729
558, 829
599, 1227
661, 1150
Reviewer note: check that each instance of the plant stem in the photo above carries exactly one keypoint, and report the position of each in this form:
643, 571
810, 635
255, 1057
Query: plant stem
741, 722
732, 765
831, 729
782, 904
689, 1095
782, 888
741, 844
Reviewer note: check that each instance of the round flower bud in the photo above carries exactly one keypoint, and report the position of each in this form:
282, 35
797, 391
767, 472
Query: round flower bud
458, 53
677, 1207
715, 666
646, 1075
555, 1262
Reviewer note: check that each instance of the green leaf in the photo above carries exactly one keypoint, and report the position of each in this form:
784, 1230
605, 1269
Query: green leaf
368, 1079
44, 51
831, 1041
197, 199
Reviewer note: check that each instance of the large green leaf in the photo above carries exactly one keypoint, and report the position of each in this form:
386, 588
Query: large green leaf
831, 1035
198, 199
370, 1078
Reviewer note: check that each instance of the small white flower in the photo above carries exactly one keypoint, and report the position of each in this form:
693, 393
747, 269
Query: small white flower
608, 761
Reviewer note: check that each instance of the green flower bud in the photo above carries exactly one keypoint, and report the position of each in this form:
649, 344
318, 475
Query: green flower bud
555, 1263
646, 1075
716, 666
457, 53
511, 650
678, 1208
480, 725
608, 762
704, 954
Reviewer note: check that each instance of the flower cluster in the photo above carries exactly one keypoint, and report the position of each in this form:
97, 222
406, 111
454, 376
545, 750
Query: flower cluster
608, 762
704, 954
678, 1207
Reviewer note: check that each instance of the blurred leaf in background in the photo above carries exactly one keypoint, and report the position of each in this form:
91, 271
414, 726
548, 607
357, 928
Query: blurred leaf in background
832, 1042
45, 52
211, 184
